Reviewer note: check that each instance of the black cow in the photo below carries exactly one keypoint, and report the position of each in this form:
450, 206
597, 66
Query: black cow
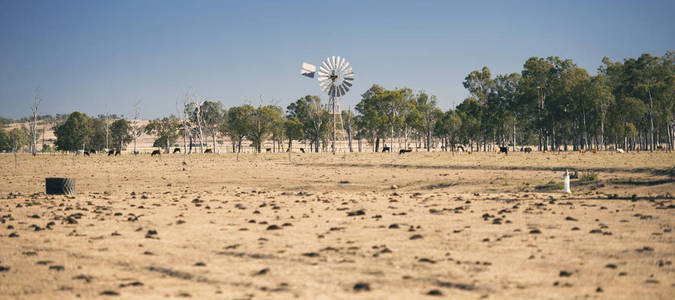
155, 152
302, 150
460, 148
86, 153
404, 151
385, 149
92, 151
504, 150
176, 150
111, 152
118, 152
208, 151
526, 149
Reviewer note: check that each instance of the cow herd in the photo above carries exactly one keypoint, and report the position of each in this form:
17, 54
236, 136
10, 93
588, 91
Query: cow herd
460, 149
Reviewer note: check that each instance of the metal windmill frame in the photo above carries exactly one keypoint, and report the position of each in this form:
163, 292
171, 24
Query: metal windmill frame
335, 77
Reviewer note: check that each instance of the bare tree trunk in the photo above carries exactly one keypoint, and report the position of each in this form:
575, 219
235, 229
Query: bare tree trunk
36, 104
199, 126
135, 125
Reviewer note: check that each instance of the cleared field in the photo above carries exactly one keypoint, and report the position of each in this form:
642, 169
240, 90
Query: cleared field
364, 226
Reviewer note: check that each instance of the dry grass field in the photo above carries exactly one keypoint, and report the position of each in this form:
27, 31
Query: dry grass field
360, 226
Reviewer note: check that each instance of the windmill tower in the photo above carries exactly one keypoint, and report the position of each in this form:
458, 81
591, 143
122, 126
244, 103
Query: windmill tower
335, 77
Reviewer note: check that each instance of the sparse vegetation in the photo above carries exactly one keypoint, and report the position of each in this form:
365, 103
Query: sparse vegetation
589, 176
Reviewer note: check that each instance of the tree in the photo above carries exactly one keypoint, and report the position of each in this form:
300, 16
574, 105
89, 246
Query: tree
374, 112
165, 131
74, 133
212, 117
601, 97
33, 127
294, 131
5, 144
349, 124
313, 116
263, 118
121, 133
426, 105
239, 123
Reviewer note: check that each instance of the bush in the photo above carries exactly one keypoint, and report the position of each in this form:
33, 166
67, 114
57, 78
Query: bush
589, 176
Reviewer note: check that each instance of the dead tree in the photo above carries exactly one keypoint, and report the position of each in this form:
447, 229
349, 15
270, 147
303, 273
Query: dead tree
107, 127
199, 126
134, 126
33, 127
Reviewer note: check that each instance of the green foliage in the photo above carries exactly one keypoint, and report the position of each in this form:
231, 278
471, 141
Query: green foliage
165, 131
589, 176
5, 144
74, 132
239, 123
121, 133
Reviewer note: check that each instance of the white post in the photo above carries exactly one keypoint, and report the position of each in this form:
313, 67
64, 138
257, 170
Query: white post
566, 179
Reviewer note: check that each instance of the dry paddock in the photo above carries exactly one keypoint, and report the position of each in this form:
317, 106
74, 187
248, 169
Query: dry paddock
355, 226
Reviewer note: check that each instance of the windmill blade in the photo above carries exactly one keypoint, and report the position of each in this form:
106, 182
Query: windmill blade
340, 61
308, 70
325, 64
347, 83
344, 66
332, 62
341, 90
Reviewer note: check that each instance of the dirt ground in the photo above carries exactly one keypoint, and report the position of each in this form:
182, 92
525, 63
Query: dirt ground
355, 226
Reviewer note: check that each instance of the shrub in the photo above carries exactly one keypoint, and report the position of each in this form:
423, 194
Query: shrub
589, 176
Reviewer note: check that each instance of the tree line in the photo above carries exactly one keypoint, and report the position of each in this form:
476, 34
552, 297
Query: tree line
551, 103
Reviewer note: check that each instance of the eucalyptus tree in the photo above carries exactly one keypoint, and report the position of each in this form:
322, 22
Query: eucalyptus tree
374, 114
263, 119
480, 85
430, 113
602, 98
312, 113
121, 133
349, 126
294, 131
211, 117
239, 123
74, 132
165, 131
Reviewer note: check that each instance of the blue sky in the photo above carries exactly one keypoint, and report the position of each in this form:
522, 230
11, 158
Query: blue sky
91, 56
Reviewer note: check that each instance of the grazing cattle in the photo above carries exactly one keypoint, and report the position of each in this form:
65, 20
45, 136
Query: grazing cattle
574, 175
118, 152
176, 150
302, 150
111, 152
208, 151
155, 152
526, 149
385, 149
582, 150
268, 149
404, 151
504, 150
92, 151
86, 153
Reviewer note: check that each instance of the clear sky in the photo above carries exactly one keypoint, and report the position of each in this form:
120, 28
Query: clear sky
92, 55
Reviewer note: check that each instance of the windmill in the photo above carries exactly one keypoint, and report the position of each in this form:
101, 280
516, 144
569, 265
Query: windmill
335, 78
